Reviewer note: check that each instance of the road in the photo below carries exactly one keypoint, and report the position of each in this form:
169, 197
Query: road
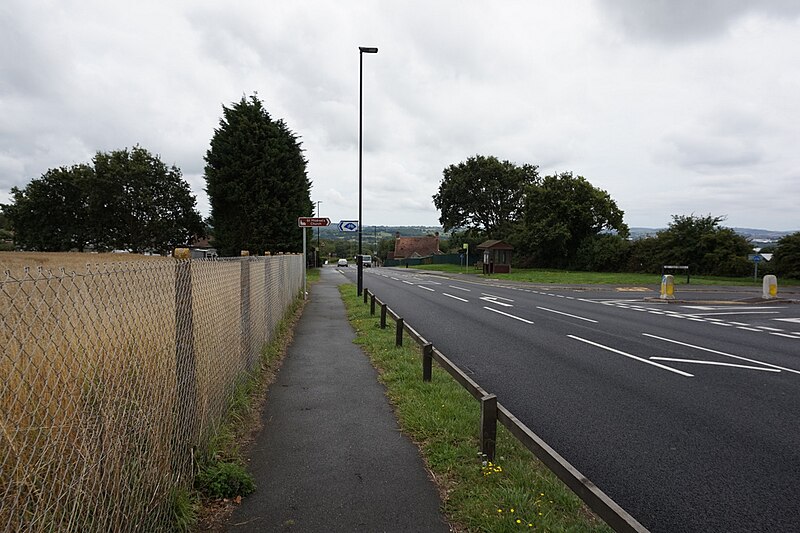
685, 414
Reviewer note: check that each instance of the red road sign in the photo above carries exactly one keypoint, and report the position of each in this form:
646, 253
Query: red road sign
312, 222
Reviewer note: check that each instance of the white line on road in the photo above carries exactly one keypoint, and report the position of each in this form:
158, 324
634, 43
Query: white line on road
407, 282
720, 353
739, 313
566, 314
784, 335
770, 329
506, 314
494, 301
795, 320
496, 297
460, 288
714, 363
640, 359
455, 297
426, 288
396, 279
722, 324
749, 329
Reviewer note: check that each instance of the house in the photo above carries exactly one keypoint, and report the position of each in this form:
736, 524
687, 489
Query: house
411, 247
201, 249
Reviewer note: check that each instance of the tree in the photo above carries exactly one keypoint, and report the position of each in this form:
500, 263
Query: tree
561, 212
703, 245
256, 182
483, 193
128, 200
50, 214
137, 203
787, 256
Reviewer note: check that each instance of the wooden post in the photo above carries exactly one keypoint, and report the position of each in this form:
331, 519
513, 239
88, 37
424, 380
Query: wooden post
398, 336
427, 361
366, 294
383, 316
372, 304
185, 366
488, 426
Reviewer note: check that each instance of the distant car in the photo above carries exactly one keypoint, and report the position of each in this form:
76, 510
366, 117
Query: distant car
342, 262
366, 260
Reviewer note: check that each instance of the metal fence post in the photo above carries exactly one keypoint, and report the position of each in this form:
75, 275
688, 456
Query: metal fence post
488, 425
398, 335
427, 361
185, 409
245, 309
383, 316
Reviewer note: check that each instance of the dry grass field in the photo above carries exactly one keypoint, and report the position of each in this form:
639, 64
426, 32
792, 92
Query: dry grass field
93, 412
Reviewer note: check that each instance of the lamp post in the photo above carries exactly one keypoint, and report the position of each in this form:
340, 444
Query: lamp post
316, 262
361, 51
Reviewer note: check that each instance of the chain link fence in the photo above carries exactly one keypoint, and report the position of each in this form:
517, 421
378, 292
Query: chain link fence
112, 377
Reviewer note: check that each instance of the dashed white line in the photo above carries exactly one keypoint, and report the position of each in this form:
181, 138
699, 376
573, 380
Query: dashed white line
566, 314
725, 324
496, 297
407, 282
640, 359
749, 329
784, 335
460, 288
426, 288
455, 297
771, 329
508, 315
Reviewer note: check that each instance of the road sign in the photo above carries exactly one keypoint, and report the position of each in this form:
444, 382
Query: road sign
313, 222
348, 225
754, 258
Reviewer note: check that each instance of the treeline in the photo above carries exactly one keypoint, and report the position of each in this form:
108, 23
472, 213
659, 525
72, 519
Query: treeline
563, 221
130, 200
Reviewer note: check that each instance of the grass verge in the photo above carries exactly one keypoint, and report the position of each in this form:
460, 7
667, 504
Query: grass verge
516, 492
535, 275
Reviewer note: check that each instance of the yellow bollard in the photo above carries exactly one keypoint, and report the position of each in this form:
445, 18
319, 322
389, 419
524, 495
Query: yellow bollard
181, 253
770, 287
667, 287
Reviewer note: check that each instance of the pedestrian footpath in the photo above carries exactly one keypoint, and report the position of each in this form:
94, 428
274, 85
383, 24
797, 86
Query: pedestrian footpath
331, 457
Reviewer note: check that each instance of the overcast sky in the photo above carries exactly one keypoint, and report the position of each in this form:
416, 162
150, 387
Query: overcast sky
672, 106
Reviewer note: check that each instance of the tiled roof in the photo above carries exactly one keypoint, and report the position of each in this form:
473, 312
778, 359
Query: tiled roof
416, 247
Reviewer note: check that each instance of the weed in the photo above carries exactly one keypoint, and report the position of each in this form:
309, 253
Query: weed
224, 480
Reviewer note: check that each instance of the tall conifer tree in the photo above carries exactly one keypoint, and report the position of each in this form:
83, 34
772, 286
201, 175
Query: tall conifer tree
256, 182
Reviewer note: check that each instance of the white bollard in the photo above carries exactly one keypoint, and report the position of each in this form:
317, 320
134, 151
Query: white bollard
770, 287
667, 287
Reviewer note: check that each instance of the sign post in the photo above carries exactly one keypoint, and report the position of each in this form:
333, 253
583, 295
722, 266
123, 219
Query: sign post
466, 257
755, 258
303, 223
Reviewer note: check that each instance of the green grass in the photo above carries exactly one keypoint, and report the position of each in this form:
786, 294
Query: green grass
443, 418
565, 277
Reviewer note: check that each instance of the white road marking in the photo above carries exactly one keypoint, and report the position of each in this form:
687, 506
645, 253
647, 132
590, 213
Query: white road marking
566, 314
455, 297
749, 329
725, 324
695, 319
407, 282
715, 363
784, 335
496, 297
739, 313
795, 320
738, 323
770, 329
640, 359
720, 353
460, 288
396, 279
506, 314
494, 301
426, 288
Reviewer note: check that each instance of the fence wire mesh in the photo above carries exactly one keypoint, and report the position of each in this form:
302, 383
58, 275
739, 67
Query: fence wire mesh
113, 376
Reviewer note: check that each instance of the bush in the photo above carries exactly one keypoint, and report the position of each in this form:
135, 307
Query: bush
224, 480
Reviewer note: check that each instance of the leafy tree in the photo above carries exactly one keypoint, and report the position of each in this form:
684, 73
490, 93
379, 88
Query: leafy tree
703, 245
483, 193
137, 203
256, 182
561, 212
50, 214
605, 252
787, 256
128, 200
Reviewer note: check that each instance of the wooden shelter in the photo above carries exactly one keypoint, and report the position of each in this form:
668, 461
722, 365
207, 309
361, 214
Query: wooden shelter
496, 257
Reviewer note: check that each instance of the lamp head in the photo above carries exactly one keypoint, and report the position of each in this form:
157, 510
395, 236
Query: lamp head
368, 49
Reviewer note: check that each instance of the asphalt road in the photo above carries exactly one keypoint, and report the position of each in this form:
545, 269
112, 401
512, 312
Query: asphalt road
685, 414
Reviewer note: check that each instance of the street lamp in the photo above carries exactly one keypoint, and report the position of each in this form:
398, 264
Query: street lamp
361, 51
318, 255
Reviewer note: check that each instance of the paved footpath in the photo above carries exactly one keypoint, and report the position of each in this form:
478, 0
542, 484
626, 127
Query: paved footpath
331, 457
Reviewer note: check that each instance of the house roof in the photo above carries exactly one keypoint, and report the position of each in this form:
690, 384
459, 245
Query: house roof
416, 247
494, 245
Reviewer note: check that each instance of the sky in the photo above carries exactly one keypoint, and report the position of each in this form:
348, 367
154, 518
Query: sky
674, 107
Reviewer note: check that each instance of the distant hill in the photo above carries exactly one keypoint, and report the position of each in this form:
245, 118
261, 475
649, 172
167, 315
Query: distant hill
382, 232
755, 235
